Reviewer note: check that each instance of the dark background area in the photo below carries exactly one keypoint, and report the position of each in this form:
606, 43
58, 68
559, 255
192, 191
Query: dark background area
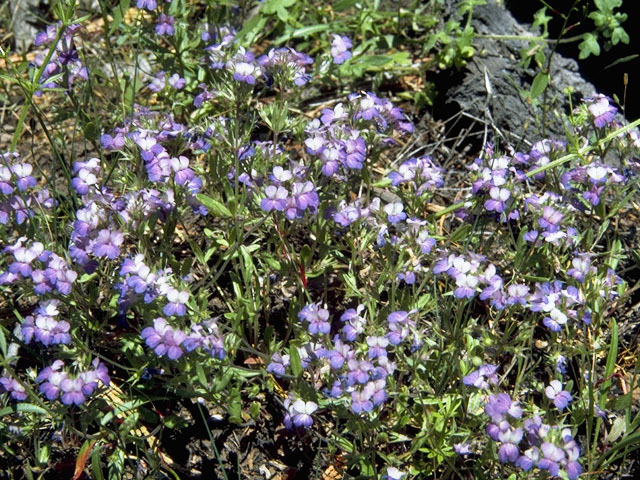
607, 79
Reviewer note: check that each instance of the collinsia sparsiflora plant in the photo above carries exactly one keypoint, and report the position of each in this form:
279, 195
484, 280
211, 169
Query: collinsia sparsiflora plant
236, 239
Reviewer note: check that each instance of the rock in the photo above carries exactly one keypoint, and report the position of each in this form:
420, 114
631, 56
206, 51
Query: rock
24, 16
494, 83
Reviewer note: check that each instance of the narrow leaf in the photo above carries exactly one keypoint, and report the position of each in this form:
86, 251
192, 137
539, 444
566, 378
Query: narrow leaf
214, 206
539, 84
83, 456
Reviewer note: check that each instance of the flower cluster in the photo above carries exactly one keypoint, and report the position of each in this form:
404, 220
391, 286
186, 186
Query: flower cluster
139, 282
19, 191
353, 367
47, 271
591, 182
338, 138
285, 66
169, 341
530, 443
421, 174
483, 377
291, 193
64, 66
55, 382
44, 327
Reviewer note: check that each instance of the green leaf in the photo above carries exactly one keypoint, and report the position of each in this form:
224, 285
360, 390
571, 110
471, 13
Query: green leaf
22, 408
618, 428
294, 357
306, 255
175, 422
202, 378
95, 464
375, 60
461, 232
619, 35
3, 343
214, 206
539, 84
250, 30
272, 6
235, 407
306, 31
622, 60
589, 46
343, 5
91, 131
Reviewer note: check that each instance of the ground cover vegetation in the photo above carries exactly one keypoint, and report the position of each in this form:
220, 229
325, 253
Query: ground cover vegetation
217, 216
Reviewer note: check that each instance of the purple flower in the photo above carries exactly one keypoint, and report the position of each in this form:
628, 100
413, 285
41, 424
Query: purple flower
23, 257
354, 323
305, 196
561, 398
498, 200
285, 65
394, 474
182, 173
13, 387
276, 198
340, 353
498, 405
528, 459
50, 379
482, 377
278, 364
358, 371
177, 82
157, 83
550, 219
177, 302
395, 212
561, 364
555, 320
317, 318
347, 215
340, 49
163, 339
110, 143
244, 72
315, 145
377, 347
49, 331
425, 242
165, 24
466, 286
603, 112
72, 391
517, 294
509, 451
361, 399
463, 448
47, 36
581, 267
301, 412
107, 244
552, 456
329, 116
148, 4
22, 173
